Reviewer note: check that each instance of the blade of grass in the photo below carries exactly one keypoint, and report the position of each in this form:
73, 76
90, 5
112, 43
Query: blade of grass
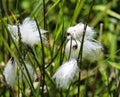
109, 12
52, 7
99, 16
79, 5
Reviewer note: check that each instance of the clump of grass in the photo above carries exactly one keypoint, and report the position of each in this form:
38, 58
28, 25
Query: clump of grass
98, 78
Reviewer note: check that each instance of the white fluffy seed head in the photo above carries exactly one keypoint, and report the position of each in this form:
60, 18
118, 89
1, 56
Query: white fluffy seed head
76, 32
72, 49
90, 49
14, 31
66, 73
31, 72
29, 32
10, 73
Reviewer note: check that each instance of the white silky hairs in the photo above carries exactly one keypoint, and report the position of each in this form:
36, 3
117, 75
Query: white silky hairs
11, 70
90, 49
76, 32
31, 72
29, 32
10, 73
66, 73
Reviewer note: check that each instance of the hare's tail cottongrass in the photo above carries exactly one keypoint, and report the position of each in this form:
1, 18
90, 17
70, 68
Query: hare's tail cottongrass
66, 73
10, 73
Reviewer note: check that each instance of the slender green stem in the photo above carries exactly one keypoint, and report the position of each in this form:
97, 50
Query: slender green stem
43, 60
56, 53
118, 87
81, 48
44, 12
108, 87
3, 32
68, 90
43, 63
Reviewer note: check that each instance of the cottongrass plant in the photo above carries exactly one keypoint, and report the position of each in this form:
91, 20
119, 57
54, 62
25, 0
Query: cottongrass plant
65, 73
12, 70
29, 32
46, 12
76, 32
31, 72
90, 49
10, 73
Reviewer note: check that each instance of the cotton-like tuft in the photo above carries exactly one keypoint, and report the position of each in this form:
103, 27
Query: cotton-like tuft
10, 73
90, 49
29, 32
14, 31
76, 32
31, 72
66, 73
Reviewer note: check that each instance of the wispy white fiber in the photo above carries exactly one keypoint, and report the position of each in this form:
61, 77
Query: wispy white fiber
66, 73
29, 32
10, 73
76, 32
90, 49
31, 72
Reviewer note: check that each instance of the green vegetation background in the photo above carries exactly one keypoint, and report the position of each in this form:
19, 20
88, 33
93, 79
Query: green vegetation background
98, 79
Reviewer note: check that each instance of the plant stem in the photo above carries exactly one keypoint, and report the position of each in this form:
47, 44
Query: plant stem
56, 53
81, 48
43, 63
3, 31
